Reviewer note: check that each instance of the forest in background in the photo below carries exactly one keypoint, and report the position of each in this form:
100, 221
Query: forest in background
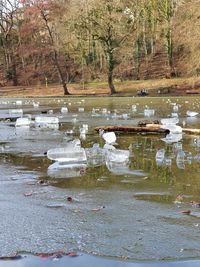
66, 41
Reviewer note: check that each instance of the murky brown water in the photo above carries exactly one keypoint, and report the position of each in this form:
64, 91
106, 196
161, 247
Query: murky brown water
114, 212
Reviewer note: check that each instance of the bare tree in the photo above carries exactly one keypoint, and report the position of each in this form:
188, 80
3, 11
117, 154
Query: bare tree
9, 36
109, 22
44, 15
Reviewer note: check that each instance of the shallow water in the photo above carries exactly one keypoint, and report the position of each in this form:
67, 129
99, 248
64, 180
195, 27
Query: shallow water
85, 260
114, 212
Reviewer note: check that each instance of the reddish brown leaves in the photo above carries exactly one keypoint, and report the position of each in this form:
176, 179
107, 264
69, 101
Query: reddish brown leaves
56, 255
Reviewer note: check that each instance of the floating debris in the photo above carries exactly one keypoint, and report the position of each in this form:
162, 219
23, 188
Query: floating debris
98, 209
28, 194
186, 212
13, 257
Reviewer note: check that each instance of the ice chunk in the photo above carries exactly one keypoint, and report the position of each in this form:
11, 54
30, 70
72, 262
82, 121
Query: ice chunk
85, 126
84, 129
125, 116
175, 108
42, 120
168, 161
82, 136
184, 123
36, 104
160, 156
177, 146
169, 121
109, 137
174, 129
19, 102
118, 156
118, 169
180, 155
74, 120
101, 131
75, 143
197, 157
64, 110
71, 153
50, 111
22, 122
172, 138
104, 110
81, 109
95, 111
68, 155
22, 131
95, 155
69, 132
108, 147
189, 157
16, 111
149, 112
180, 158
191, 113
174, 115
59, 170
134, 108
196, 142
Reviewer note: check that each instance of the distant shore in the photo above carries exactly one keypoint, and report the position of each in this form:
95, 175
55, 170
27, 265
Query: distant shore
162, 87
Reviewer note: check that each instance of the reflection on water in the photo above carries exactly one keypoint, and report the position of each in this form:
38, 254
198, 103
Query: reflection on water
57, 170
140, 195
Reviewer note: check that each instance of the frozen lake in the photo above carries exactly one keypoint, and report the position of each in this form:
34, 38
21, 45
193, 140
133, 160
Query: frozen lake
136, 212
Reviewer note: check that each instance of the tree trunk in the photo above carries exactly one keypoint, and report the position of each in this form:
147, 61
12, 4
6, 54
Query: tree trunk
62, 79
13, 69
110, 63
6, 56
55, 54
110, 83
14, 74
144, 39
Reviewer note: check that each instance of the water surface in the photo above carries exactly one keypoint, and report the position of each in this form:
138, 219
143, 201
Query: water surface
116, 213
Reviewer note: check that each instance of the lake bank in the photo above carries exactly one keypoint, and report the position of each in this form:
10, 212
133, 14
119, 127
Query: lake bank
161, 87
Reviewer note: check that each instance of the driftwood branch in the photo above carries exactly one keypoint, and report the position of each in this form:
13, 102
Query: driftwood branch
184, 130
149, 128
132, 129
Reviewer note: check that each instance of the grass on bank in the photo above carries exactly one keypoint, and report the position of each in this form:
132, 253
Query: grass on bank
177, 86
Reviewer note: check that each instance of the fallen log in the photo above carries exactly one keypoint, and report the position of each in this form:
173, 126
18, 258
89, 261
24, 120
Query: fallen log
184, 130
143, 123
149, 128
191, 131
193, 92
133, 129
